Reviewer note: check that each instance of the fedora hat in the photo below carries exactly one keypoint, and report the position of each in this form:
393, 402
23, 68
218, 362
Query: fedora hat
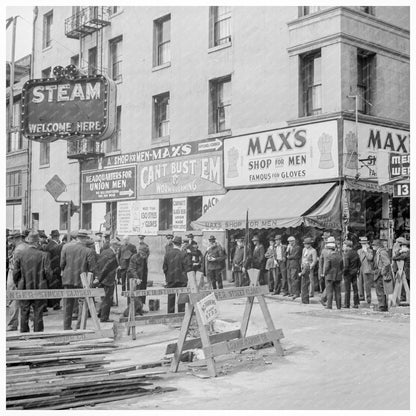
211, 238
177, 240
55, 233
33, 237
364, 240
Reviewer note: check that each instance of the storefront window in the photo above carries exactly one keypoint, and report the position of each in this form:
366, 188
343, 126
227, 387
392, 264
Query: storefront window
194, 210
86, 216
165, 214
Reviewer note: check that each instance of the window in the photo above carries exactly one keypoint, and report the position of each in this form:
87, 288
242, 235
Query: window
44, 153
86, 216
63, 217
305, 10
367, 9
220, 16
194, 210
92, 61
47, 27
46, 73
161, 115
116, 58
165, 214
14, 185
113, 143
15, 138
113, 10
364, 70
220, 104
310, 67
75, 60
162, 41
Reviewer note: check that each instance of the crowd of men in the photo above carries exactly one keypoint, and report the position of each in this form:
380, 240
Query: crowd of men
37, 262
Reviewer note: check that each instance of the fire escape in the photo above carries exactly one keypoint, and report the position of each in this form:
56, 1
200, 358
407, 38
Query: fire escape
85, 22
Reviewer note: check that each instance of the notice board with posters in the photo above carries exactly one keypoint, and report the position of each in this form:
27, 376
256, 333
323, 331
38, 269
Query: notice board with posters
138, 217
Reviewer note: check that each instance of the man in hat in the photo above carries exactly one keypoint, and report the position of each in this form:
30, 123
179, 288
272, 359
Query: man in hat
54, 249
144, 249
402, 259
76, 258
365, 276
32, 271
106, 241
281, 283
258, 259
19, 245
270, 264
188, 242
239, 264
43, 240
382, 271
169, 244
321, 268
351, 269
214, 261
106, 277
135, 271
309, 260
126, 251
175, 268
293, 256
333, 275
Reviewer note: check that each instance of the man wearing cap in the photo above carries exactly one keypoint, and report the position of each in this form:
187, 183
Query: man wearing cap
281, 283
169, 244
32, 271
351, 269
19, 245
54, 249
144, 248
258, 259
309, 260
293, 256
239, 263
175, 268
106, 277
333, 275
126, 251
214, 262
382, 270
76, 258
365, 276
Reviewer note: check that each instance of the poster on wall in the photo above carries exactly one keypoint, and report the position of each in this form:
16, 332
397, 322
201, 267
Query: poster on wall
179, 214
296, 154
138, 217
209, 202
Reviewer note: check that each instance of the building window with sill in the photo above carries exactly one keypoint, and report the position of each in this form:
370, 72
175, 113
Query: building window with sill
365, 68
47, 29
46, 73
113, 143
44, 154
220, 18
311, 84
14, 137
194, 210
75, 60
367, 9
165, 214
161, 41
14, 185
87, 216
161, 115
220, 105
116, 58
92, 61
305, 10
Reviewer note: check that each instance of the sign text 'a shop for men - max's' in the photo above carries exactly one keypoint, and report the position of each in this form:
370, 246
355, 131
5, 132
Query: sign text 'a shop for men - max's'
295, 154
69, 108
109, 184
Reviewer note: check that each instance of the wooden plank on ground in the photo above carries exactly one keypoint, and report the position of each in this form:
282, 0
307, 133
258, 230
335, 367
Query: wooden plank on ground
55, 334
227, 347
155, 292
53, 293
166, 319
197, 342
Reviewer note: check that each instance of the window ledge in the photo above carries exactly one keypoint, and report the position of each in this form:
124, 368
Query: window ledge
113, 153
44, 166
219, 47
47, 48
159, 67
220, 134
16, 152
116, 14
161, 141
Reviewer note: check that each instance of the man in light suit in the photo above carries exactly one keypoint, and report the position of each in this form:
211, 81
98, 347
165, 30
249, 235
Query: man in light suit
381, 273
365, 278
293, 256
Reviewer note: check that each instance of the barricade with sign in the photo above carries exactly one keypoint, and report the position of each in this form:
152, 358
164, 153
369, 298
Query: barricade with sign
201, 304
400, 282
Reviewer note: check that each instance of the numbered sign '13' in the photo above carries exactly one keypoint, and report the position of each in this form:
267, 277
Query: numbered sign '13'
401, 190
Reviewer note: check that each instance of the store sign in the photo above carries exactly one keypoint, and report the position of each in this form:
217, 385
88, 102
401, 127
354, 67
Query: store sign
179, 214
295, 154
109, 184
399, 165
401, 190
192, 175
138, 217
69, 108
361, 154
209, 202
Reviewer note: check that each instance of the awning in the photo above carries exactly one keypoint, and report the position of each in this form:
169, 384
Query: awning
368, 186
282, 207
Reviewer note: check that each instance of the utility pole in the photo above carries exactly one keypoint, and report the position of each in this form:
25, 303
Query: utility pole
12, 70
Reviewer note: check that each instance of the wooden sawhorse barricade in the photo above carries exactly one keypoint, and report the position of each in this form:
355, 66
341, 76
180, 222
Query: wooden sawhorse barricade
87, 293
226, 342
400, 281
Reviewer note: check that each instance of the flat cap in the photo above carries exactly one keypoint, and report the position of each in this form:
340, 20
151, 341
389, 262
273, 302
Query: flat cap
82, 233
307, 240
291, 238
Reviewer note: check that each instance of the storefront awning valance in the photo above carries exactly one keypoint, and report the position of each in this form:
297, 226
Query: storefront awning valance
289, 206
368, 186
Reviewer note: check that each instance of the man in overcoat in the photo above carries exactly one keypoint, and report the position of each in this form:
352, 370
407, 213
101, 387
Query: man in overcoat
365, 278
54, 248
126, 251
293, 256
333, 275
351, 268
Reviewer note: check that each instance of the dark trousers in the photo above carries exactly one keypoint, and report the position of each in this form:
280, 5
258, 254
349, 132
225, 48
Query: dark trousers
172, 297
364, 285
294, 280
262, 277
106, 302
68, 305
38, 306
348, 281
281, 283
322, 284
381, 295
215, 277
56, 284
305, 282
333, 287
271, 277
123, 278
